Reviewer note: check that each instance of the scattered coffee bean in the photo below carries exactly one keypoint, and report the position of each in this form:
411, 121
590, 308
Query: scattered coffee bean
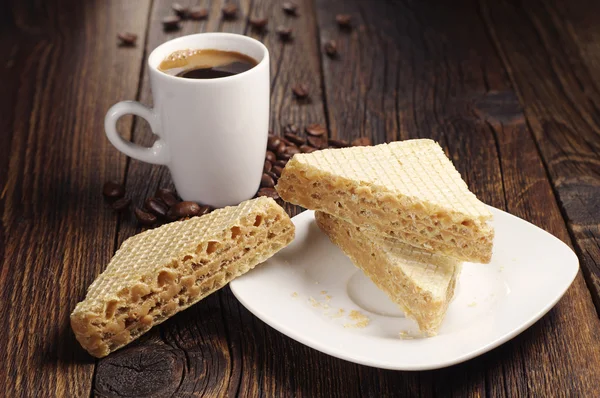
338, 143
204, 210
273, 142
290, 8
167, 196
292, 150
280, 149
307, 149
300, 91
181, 11
277, 170
343, 20
112, 190
315, 130
290, 128
296, 139
267, 167
274, 176
198, 13
362, 141
127, 39
317, 142
269, 192
287, 142
258, 24
270, 156
267, 181
156, 206
184, 209
171, 22
144, 217
229, 11
280, 163
284, 33
121, 204
331, 48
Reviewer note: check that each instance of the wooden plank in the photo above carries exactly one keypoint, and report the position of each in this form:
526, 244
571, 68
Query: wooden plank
430, 71
58, 79
559, 83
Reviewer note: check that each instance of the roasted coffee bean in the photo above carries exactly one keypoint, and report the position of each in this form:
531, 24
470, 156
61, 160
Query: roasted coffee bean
198, 13
300, 91
280, 163
307, 149
280, 149
270, 156
258, 23
344, 20
273, 142
156, 206
144, 217
290, 8
317, 142
277, 170
268, 166
338, 143
290, 128
296, 139
184, 209
315, 129
204, 210
127, 39
284, 33
121, 204
229, 11
171, 22
181, 11
269, 192
362, 141
331, 48
112, 190
267, 181
167, 196
274, 176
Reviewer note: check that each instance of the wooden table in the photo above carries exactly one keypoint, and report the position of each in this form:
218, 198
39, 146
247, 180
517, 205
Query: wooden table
511, 91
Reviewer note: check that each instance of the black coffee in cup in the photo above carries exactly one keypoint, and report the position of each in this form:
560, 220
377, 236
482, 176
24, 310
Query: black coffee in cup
206, 64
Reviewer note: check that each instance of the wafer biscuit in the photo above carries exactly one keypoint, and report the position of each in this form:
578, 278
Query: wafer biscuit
406, 190
419, 282
162, 271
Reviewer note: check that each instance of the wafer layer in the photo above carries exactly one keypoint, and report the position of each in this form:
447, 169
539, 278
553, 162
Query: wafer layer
406, 190
162, 271
419, 282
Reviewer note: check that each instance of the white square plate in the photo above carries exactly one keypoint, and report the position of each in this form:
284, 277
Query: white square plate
312, 292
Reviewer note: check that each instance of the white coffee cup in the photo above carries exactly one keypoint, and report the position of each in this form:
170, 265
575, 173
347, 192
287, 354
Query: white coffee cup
212, 133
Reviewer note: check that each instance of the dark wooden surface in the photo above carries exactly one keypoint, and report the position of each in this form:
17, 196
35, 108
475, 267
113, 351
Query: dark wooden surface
511, 91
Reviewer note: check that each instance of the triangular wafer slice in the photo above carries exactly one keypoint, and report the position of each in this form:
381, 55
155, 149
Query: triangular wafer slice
420, 282
162, 271
407, 190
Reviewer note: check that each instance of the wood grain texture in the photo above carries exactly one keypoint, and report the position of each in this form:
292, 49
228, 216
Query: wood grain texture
552, 58
57, 82
432, 71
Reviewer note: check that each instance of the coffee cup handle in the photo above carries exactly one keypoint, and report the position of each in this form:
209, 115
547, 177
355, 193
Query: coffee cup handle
157, 153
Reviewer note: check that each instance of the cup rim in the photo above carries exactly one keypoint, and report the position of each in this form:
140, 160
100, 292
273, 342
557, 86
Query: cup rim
264, 59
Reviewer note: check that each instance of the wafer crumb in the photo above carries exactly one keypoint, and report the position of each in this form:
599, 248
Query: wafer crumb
323, 292
472, 304
361, 320
340, 313
405, 335
295, 294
